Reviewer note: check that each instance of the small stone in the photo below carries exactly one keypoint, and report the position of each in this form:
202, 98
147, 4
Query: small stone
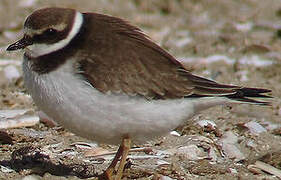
165, 178
175, 133
255, 128
11, 73
233, 171
204, 123
31, 177
191, 152
228, 142
5, 169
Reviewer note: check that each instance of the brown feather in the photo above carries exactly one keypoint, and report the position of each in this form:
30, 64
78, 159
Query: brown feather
124, 60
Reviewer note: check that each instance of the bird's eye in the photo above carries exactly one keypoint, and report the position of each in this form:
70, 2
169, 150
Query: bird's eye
48, 34
50, 31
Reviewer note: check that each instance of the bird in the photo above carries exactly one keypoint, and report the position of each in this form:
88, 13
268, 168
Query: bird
104, 79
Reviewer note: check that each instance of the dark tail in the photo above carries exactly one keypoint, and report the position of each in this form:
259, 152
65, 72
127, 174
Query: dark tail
205, 87
246, 95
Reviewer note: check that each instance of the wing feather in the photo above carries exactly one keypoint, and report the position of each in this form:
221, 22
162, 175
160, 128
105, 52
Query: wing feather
126, 61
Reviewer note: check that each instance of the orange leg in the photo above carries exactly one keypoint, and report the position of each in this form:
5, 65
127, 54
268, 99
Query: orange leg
122, 152
126, 143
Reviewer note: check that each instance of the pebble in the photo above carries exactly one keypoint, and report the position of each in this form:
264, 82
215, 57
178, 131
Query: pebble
191, 152
31, 177
31, 133
175, 133
5, 169
228, 142
255, 128
11, 73
204, 123
17, 118
165, 178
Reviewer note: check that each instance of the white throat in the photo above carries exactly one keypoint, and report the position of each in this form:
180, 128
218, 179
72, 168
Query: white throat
37, 50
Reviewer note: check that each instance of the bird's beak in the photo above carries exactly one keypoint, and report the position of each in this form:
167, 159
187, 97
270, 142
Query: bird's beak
20, 44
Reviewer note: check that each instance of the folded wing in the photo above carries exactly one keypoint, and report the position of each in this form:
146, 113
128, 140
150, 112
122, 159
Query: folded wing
128, 62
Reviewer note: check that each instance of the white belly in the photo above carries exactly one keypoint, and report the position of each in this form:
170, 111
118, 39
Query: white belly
104, 118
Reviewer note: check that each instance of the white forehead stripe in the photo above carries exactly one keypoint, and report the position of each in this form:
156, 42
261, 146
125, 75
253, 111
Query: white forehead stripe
37, 50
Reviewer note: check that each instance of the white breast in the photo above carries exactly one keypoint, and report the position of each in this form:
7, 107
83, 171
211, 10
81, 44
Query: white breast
102, 117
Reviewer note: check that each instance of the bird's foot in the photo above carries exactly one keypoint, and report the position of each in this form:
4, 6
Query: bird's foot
122, 152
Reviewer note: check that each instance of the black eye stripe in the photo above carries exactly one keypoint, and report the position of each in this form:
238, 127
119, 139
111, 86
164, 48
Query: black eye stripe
47, 34
50, 31
50, 36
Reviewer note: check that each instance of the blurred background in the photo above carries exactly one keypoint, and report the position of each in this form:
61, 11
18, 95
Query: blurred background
233, 41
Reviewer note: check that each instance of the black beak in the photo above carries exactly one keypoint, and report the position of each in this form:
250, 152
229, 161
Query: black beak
20, 44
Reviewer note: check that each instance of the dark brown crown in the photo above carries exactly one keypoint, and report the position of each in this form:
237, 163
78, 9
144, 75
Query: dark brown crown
47, 17
49, 25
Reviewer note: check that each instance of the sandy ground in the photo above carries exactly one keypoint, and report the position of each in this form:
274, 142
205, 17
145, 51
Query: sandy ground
237, 42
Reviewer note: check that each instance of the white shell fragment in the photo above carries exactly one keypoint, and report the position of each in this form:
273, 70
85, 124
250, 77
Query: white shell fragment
11, 72
229, 137
97, 151
191, 152
244, 27
267, 168
270, 126
232, 152
175, 133
255, 60
8, 114
84, 145
229, 145
17, 118
212, 154
251, 144
28, 132
5, 169
204, 123
31, 177
162, 162
233, 171
255, 128
165, 178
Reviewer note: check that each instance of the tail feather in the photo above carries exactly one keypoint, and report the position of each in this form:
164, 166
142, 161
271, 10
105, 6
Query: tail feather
245, 95
254, 92
251, 101
205, 87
